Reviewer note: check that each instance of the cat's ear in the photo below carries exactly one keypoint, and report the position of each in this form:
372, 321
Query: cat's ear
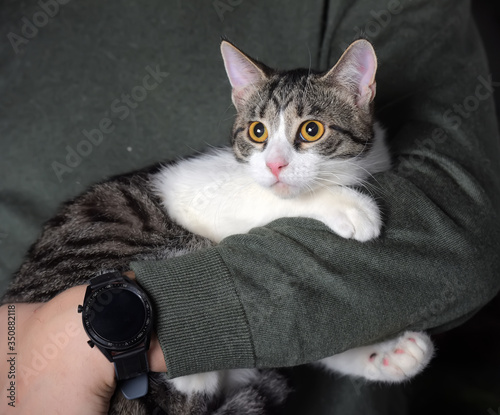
243, 72
356, 70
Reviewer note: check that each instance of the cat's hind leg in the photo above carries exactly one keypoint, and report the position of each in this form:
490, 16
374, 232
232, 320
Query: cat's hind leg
211, 383
390, 361
207, 383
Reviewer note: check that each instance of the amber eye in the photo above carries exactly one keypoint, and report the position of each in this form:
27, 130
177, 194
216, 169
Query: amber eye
311, 131
258, 132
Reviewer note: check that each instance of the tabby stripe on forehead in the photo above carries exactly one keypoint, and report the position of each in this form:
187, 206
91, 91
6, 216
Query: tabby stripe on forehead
271, 88
286, 104
300, 109
262, 110
276, 102
354, 138
315, 110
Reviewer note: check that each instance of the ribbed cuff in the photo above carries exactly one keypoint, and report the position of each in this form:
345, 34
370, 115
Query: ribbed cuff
200, 321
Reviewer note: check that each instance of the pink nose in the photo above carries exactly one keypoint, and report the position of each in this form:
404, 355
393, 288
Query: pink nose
276, 166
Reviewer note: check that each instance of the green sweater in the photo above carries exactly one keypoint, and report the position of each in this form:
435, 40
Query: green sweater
293, 292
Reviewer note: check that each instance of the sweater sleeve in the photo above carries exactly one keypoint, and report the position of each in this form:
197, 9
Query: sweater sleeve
293, 292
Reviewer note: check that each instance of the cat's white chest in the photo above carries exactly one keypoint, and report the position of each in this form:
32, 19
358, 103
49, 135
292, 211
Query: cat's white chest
213, 196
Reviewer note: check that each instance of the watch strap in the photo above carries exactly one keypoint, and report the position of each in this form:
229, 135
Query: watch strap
134, 388
130, 364
105, 279
131, 371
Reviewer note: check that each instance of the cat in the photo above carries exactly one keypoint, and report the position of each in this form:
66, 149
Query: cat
302, 144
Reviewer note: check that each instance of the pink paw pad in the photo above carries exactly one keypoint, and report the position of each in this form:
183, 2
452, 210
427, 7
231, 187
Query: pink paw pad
385, 362
399, 351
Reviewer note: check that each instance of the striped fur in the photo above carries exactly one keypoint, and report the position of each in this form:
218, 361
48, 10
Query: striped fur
107, 227
123, 219
112, 224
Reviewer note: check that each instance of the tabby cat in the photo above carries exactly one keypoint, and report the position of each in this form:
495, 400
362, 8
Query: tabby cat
302, 142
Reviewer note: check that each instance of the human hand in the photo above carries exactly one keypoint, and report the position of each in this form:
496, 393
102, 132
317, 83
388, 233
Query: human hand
55, 370
52, 368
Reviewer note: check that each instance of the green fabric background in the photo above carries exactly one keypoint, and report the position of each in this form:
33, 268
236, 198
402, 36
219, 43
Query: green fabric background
65, 78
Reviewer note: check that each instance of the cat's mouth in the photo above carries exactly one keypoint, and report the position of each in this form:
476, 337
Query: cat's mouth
284, 190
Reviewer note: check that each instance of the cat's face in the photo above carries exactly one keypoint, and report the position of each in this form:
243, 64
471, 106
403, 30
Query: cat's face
297, 130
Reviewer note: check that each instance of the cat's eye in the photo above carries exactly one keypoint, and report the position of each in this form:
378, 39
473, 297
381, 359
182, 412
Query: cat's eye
311, 130
258, 132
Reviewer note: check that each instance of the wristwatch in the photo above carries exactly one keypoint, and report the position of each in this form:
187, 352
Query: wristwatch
118, 319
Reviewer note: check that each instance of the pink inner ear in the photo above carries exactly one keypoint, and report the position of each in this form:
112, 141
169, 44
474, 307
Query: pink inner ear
355, 70
366, 68
362, 65
359, 70
240, 70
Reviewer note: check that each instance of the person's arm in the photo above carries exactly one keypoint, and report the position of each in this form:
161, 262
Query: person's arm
47, 364
293, 292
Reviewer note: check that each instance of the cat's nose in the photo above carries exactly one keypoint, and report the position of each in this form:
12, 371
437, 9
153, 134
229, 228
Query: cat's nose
276, 166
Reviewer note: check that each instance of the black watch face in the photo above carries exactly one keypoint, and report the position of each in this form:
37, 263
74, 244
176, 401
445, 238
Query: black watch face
117, 316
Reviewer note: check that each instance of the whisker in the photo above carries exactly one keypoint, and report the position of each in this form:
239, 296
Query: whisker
355, 180
370, 175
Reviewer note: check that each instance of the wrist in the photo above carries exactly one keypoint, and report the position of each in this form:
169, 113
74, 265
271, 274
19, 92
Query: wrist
53, 359
155, 356
130, 274
92, 361
118, 318
155, 353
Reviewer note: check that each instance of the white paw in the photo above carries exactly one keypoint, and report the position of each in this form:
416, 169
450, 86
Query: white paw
360, 221
400, 359
235, 379
207, 383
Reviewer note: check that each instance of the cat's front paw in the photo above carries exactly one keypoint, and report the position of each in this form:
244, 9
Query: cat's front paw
360, 220
400, 359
